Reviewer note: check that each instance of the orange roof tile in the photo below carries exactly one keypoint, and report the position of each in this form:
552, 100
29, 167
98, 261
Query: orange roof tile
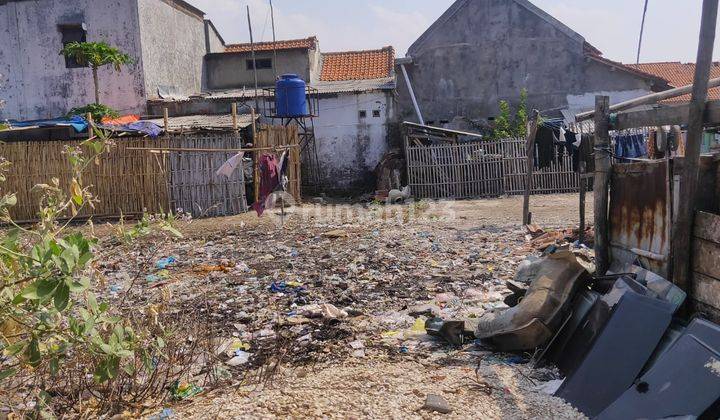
290, 44
679, 74
358, 65
597, 55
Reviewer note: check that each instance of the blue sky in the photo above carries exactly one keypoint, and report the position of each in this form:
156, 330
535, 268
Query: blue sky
613, 26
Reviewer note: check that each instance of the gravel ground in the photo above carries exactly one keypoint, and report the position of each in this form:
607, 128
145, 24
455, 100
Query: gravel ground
389, 390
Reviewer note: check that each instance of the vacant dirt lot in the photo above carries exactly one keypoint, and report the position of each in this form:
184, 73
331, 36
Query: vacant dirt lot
325, 305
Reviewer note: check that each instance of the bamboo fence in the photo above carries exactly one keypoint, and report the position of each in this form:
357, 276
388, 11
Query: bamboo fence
279, 136
124, 181
482, 169
131, 182
193, 183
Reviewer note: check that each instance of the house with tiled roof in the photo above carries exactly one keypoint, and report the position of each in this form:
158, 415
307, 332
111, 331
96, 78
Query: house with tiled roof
354, 91
679, 74
480, 52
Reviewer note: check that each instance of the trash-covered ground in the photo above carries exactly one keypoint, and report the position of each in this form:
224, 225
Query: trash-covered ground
321, 313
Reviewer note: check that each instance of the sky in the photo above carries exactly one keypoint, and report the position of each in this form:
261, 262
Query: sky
613, 26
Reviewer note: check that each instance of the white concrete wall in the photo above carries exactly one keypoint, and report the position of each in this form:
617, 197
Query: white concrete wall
36, 83
215, 42
173, 47
350, 148
586, 101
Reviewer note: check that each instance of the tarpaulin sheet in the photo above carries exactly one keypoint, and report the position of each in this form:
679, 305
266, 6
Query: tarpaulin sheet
76, 122
125, 119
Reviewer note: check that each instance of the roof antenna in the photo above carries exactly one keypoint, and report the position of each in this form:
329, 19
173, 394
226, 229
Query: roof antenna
642, 30
272, 19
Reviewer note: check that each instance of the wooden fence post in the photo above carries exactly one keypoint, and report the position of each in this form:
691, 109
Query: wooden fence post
531, 133
234, 117
682, 228
166, 121
256, 157
89, 118
603, 167
583, 201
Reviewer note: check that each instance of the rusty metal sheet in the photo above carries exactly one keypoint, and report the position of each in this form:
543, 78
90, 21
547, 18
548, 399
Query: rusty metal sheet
639, 216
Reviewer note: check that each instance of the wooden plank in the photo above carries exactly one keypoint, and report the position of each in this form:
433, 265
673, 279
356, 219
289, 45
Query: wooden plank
706, 289
707, 227
706, 258
666, 115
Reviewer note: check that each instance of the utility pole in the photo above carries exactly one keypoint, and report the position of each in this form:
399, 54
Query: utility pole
272, 20
642, 31
252, 49
682, 228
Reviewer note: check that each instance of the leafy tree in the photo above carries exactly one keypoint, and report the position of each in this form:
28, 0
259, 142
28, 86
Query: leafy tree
96, 55
503, 128
521, 116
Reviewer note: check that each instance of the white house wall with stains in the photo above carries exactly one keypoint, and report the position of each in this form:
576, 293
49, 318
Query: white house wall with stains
350, 145
37, 83
167, 40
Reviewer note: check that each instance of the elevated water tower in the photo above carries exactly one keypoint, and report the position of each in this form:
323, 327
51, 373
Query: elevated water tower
297, 103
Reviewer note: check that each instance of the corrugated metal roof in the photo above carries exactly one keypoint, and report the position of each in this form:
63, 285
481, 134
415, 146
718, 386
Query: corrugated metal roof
323, 87
355, 86
204, 122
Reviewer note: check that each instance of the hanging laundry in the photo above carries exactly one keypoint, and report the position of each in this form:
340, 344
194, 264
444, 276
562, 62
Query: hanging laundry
545, 147
652, 146
630, 147
570, 138
269, 180
284, 180
561, 148
229, 167
679, 139
586, 154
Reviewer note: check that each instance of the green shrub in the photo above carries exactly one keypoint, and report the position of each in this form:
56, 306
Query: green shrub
98, 112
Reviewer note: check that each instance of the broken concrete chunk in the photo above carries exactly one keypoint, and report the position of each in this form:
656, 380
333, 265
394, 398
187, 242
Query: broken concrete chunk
438, 404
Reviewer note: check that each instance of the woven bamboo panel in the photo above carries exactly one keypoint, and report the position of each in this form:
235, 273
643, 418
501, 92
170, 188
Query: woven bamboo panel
456, 171
558, 178
124, 182
193, 183
482, 169
131, 182
275, 136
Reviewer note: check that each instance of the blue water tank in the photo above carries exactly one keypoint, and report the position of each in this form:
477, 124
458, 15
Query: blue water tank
290, 99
